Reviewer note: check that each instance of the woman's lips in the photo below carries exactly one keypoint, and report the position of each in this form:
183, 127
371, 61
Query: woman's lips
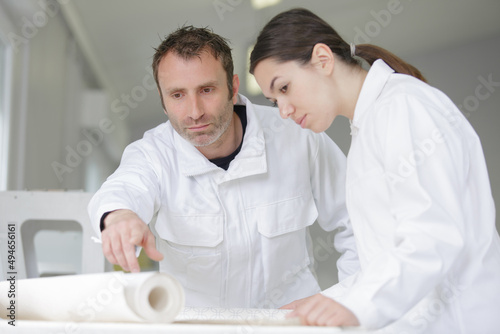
301, 121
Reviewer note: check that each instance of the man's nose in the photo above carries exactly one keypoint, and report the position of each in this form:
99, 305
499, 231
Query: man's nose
196, 111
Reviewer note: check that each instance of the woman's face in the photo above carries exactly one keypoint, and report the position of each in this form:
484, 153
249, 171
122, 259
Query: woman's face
301, 92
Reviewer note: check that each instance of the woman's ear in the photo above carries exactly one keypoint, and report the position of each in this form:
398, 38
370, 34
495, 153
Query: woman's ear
322, 58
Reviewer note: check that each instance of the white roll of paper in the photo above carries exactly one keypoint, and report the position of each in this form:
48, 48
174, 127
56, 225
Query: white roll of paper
107, 297
235, 316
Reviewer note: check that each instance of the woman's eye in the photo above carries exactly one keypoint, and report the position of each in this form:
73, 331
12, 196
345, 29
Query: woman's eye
284, 89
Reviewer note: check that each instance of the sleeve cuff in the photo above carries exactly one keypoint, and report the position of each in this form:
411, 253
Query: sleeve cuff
101, 225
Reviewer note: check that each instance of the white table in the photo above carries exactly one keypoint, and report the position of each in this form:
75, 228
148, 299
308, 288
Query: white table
52, 327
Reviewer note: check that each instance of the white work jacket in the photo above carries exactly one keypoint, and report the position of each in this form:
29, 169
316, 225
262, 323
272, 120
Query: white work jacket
237, 238
420, 203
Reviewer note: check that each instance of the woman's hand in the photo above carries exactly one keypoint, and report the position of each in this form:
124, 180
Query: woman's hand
318, 310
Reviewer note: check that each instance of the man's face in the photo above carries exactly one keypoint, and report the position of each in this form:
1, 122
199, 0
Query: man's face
196, 98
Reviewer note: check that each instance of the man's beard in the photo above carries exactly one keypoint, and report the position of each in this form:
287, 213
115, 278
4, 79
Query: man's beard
219, 125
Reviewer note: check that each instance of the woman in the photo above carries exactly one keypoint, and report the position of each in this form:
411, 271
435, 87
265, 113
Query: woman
418, 192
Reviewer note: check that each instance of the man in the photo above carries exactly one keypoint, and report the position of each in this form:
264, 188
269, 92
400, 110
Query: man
227, 187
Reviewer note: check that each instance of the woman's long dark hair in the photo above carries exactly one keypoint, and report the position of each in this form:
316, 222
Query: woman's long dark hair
292, 35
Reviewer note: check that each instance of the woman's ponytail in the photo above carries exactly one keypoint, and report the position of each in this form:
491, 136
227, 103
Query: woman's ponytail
370, 53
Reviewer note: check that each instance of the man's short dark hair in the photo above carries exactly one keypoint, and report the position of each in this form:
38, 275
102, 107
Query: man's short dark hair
188, 42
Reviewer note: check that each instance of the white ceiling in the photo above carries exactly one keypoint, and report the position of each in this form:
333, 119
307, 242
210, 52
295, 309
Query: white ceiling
118, 36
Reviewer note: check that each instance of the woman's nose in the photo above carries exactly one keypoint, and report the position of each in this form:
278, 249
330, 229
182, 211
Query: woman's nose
286, 110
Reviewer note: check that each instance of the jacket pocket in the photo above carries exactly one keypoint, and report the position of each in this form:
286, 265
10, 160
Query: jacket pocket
199, 230
191, 246
285, 241
286, 216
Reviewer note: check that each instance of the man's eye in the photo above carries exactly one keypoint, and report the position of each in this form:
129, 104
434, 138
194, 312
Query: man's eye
207, 90
284, 89
176, 95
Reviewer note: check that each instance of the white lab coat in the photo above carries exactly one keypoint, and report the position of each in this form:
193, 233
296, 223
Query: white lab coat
237, 238
419, 199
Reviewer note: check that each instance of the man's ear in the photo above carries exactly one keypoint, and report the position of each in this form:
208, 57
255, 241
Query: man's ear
322, 58
236, 87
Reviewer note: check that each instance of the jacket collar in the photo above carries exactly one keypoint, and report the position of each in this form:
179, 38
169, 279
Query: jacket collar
250, 160
377, 77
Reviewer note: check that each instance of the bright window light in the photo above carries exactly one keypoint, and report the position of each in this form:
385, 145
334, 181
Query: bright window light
259, 4
252, 86
4, 113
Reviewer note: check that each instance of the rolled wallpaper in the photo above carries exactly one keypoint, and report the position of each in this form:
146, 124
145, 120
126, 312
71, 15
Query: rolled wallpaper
121, 297
107, 297
236, 316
